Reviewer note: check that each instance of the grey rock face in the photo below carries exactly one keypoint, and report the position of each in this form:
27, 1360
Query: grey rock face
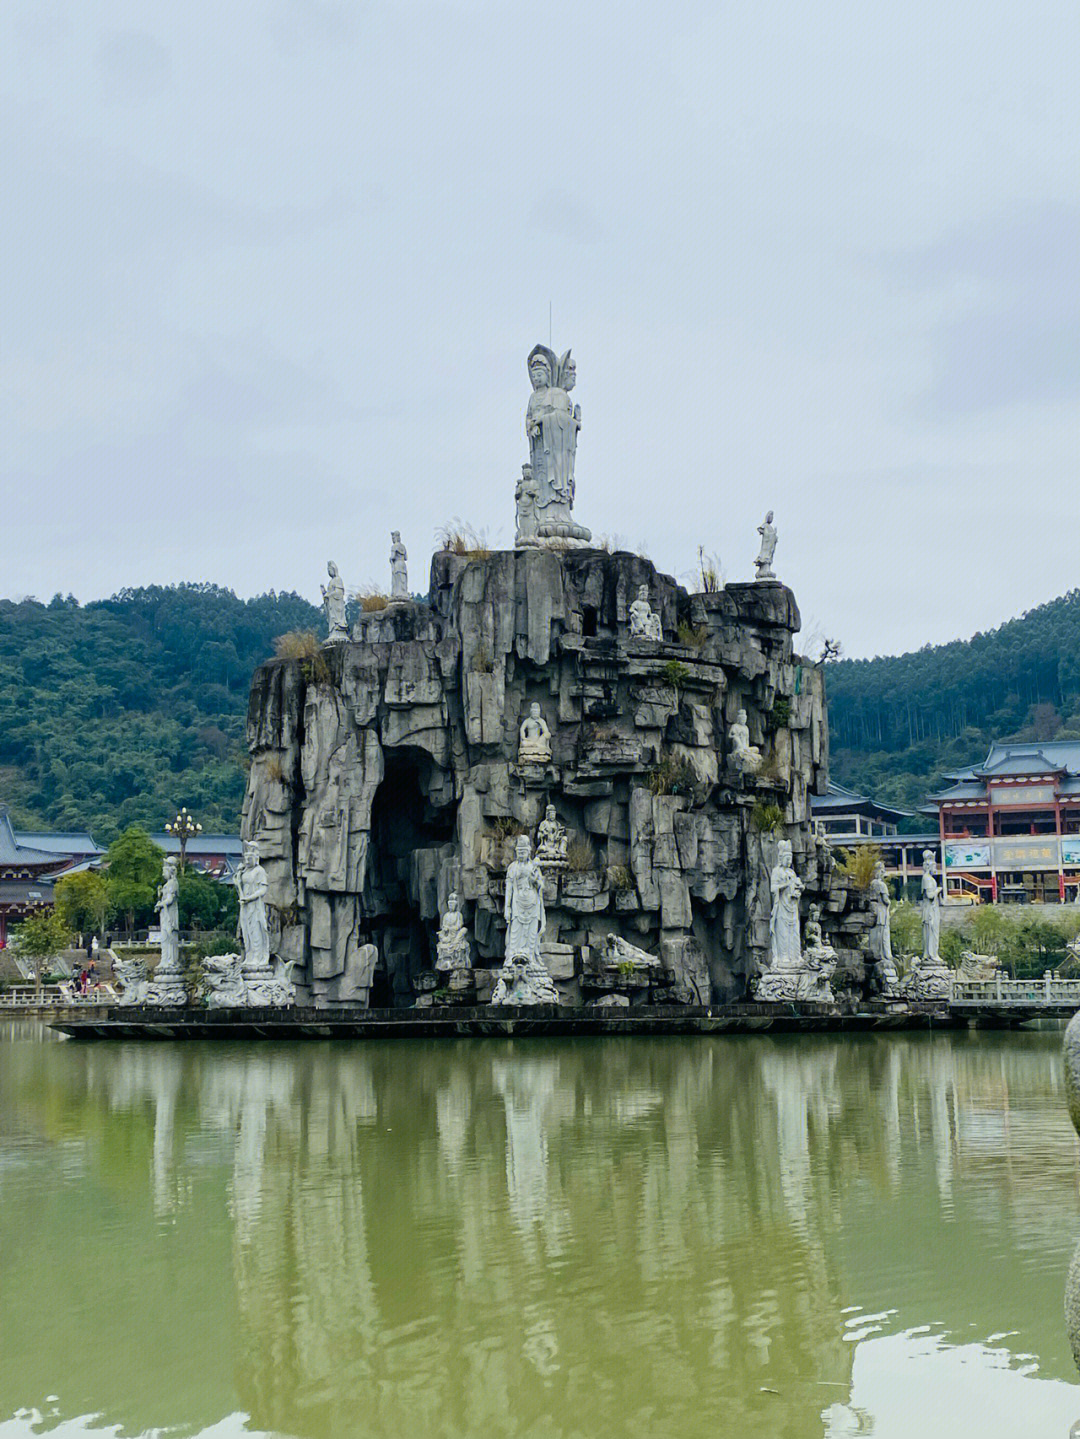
377, 791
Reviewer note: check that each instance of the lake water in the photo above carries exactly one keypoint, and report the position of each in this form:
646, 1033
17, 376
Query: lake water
572, 1239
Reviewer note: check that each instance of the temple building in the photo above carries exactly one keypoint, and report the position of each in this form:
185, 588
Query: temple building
1009, 828
842, 814
848, 820
25, 876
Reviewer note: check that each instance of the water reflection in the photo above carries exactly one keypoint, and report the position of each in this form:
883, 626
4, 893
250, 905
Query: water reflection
562, 1238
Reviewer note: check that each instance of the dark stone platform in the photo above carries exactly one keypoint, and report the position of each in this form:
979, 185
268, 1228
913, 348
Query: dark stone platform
489, 1021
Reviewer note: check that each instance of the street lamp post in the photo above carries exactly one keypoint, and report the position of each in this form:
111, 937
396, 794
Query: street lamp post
183, 828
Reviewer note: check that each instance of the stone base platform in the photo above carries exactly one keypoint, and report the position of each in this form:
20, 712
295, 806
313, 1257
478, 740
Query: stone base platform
489, 1021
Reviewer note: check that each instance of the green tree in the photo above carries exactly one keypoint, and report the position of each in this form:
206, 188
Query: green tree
133, 875
206, 903
905, 927
82, 900
41, 937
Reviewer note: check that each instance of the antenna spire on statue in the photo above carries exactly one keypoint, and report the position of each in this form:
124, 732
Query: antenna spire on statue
552, 422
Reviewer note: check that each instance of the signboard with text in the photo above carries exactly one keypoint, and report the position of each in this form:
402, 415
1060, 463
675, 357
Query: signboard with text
1035, 851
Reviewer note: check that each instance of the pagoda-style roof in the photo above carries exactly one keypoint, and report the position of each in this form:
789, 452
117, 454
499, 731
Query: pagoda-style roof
837, 800
16, 855
63, 843
1047, 757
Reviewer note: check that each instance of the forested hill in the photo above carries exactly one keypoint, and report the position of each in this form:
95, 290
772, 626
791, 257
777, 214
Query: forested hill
896, 724
122, 710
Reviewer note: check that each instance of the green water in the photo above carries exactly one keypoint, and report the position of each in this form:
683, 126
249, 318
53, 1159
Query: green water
570, 1239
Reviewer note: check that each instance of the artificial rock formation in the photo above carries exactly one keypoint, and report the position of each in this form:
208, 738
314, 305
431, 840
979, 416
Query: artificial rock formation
390, 774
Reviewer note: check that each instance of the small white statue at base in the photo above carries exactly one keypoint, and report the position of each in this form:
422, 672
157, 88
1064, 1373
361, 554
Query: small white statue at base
524, 981
763, 563
528, 520
534, 738
333, 596
551, 841
166, 985
744, 755
884, 976
251, 886
791, 974
452, 946
644, 624
628, 957
929, 977
399, 577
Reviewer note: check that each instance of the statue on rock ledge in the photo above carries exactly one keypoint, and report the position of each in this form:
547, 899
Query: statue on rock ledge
551, 840
333, 596
452, 945
527, 519
746, 756
763, 563
644, 621
399, 577
552, 422
534, 738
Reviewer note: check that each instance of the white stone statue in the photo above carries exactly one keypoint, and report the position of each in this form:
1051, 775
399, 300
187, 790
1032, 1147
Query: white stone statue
552, 422
166, 986
641, 616
168, 909
767, 531
334, 605
792, 973
523, 978
929, 977
785, 945
527, 515
522, 981
399, 577
656, 630
746, 756
534, 745
881, 909
523, 908
551, 841
930, 909
251, 885
452, 946
815, 948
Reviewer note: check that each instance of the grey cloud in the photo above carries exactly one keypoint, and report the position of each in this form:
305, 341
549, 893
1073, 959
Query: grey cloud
1015, 338
133, 66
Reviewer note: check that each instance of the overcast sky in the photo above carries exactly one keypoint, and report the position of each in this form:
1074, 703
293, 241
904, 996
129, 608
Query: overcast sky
270, 273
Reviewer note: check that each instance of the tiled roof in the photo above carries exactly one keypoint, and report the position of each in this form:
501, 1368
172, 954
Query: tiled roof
12, 852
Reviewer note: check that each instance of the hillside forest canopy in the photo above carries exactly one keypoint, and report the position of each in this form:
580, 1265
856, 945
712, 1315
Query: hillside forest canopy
119, 711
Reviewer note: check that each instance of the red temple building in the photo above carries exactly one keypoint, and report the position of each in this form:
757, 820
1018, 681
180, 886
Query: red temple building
1009, 828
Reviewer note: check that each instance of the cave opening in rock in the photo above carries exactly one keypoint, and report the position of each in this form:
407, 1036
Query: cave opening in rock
403, 822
